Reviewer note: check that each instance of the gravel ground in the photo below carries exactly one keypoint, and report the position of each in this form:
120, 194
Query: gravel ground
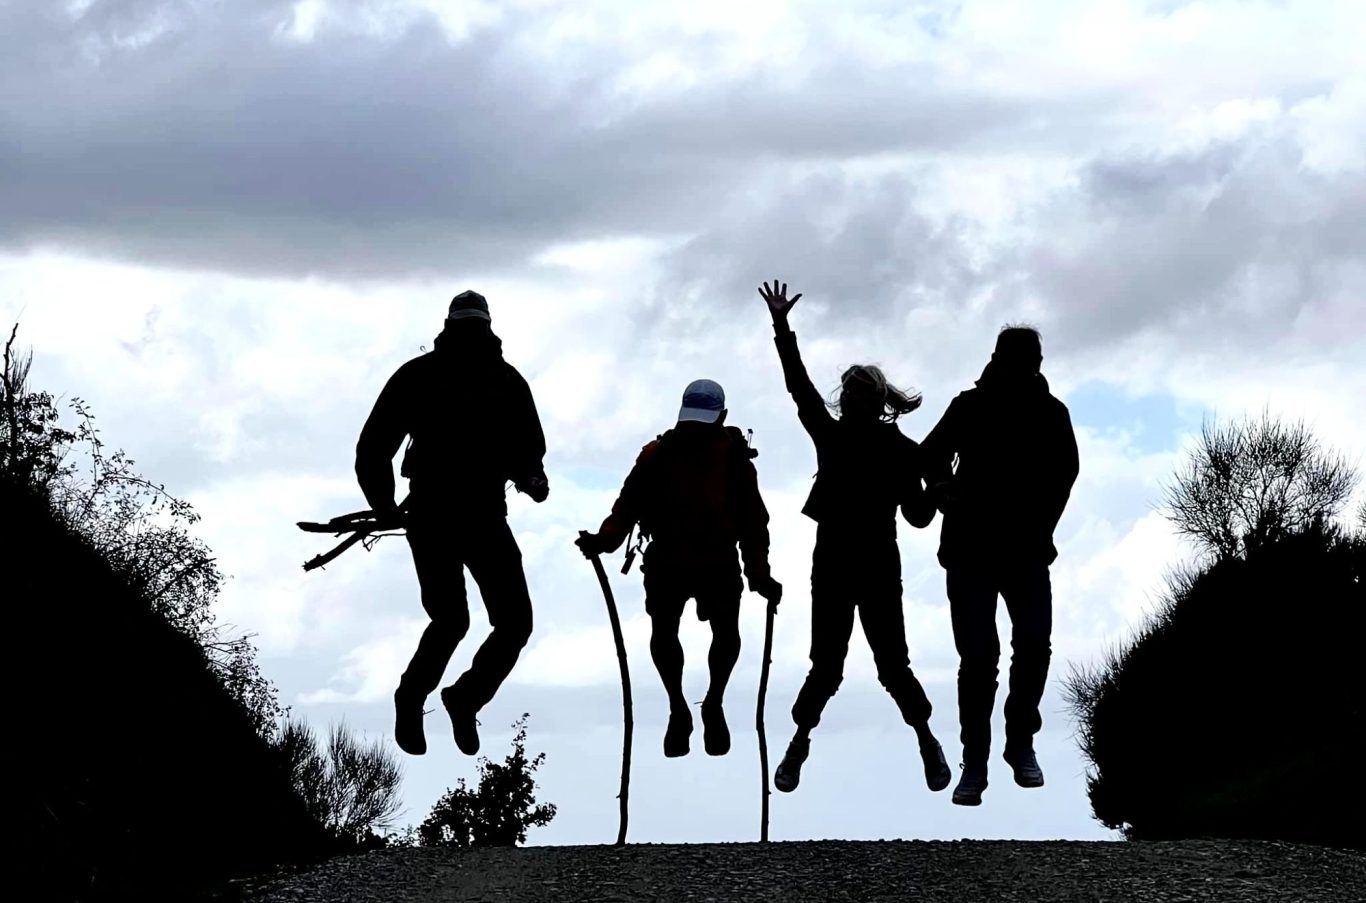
961, 871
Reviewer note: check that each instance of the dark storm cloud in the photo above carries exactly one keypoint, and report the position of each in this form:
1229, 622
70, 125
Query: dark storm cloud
1223, 246
195, 134
1230, 244
859, 248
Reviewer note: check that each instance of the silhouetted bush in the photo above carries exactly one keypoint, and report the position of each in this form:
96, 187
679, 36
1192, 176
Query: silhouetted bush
498, 812
141, 764
1237, 710
350, 787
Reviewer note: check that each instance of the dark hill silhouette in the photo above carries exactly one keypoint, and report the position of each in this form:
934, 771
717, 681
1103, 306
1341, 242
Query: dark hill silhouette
138, 774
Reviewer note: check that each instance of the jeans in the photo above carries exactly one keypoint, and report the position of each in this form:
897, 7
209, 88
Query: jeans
972, 604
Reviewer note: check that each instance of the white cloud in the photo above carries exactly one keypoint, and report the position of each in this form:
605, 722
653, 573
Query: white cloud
228, 261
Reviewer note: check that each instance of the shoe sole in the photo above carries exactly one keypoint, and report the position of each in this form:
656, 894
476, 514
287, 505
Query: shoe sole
784, 786
412, 751
967, 801
1028, 784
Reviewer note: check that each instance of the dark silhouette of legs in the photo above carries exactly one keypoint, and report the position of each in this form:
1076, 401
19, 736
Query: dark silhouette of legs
667, 653
440, 574
724, 653
441, 551
972, 607
972, 603
832, 623
885, 627
723, 613
495, 562
1028, 596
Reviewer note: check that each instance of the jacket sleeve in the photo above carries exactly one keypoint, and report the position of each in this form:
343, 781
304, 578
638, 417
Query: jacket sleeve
751, 517
379, 441
527, 448
630, 503
939, 447
1066, 465
811, 409
916, 505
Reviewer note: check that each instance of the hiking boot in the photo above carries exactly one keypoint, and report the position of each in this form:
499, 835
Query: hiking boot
464, 726
408, 714
789, 773
1026, 767
715, 733
970, 785
937, 772
677, 734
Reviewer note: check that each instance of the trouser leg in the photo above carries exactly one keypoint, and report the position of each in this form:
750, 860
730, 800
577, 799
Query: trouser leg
440, 574
832, 623
884, 625
1028, 595
495, 562
972, 607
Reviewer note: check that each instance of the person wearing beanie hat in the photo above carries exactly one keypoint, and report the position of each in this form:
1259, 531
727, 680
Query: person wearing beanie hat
468, 305
471, 426
695, 493
1017, 461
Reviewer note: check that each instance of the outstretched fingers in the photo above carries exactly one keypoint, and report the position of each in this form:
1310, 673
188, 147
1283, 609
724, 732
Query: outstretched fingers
775, 295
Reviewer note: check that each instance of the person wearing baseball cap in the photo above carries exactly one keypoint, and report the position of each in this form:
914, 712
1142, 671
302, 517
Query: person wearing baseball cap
694, 491
472, 427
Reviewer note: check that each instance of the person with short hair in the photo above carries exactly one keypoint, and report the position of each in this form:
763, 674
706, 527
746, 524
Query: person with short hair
867, 469
694, 491
472, 426
1016, 459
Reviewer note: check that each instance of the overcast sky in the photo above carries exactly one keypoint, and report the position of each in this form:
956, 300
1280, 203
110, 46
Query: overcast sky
225, 225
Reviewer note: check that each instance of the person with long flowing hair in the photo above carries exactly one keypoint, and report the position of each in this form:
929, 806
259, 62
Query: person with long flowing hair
867, 470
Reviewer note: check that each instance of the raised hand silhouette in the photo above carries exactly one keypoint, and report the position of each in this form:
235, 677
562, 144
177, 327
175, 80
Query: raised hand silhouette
776, 297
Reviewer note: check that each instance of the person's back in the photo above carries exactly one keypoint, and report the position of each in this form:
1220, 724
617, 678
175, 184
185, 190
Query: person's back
865, 469
694, 491
696, 501
469, 415
1017, 458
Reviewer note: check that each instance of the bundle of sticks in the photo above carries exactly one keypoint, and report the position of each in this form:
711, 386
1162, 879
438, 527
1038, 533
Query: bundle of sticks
358, 527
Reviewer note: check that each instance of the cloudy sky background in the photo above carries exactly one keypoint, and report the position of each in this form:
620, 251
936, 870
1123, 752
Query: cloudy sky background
225, 224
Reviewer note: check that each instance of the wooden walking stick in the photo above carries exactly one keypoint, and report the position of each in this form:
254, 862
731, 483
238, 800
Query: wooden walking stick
759, 718
628, 722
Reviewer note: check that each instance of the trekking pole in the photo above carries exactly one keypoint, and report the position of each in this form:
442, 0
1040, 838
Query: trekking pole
759, 718
628, 722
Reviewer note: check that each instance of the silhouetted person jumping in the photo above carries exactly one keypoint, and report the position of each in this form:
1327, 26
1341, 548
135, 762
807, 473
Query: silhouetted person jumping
866, 470
1017, 461
695, 492
473, 426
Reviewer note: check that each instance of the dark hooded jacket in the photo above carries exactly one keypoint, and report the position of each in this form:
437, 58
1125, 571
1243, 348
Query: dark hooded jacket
866, 469
471, 420
1017, 461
